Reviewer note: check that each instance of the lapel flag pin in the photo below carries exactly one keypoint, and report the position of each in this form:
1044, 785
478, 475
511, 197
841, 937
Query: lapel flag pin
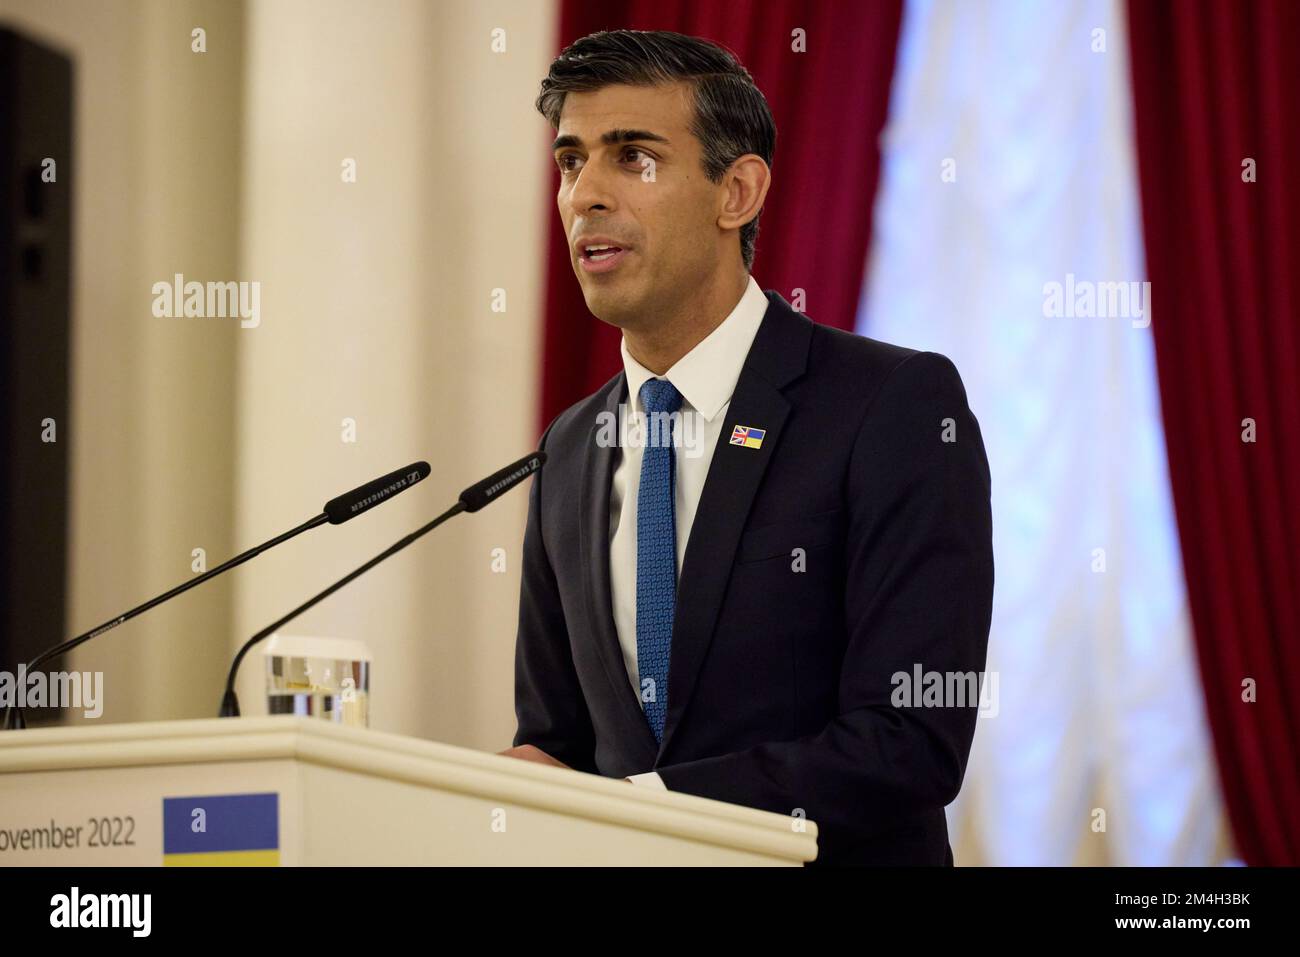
748, 436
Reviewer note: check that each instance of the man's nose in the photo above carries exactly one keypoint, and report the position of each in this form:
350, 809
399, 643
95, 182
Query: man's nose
593, 190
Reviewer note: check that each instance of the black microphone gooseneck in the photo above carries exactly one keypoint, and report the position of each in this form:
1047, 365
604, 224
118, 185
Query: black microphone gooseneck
471, 500
336, 512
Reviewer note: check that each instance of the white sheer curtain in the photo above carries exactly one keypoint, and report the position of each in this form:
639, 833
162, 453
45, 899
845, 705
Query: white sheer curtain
1025, 107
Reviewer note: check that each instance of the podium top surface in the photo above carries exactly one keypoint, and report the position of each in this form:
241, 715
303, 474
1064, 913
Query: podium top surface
408, 760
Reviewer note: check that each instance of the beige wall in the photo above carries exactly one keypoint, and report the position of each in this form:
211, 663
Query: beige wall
375, 306
155, 189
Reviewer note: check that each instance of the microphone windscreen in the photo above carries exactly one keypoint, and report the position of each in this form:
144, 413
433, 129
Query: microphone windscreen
498, 483
364, 497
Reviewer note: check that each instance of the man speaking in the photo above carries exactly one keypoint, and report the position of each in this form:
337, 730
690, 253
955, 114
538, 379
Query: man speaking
735, 601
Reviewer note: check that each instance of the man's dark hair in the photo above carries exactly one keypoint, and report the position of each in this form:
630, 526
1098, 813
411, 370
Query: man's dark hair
731, 115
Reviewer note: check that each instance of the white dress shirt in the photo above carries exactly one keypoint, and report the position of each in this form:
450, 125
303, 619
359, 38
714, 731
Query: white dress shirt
706, 378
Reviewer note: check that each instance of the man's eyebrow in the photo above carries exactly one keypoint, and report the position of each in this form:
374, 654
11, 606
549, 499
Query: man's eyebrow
610, 138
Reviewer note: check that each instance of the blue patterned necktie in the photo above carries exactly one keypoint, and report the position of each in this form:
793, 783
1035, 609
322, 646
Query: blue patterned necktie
656, 550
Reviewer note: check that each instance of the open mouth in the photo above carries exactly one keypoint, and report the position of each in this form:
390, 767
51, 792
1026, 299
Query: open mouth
601, 258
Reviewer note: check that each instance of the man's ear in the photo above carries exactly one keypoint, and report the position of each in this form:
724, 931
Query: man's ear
745, 187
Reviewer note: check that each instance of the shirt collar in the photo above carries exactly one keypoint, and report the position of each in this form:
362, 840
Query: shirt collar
707, 375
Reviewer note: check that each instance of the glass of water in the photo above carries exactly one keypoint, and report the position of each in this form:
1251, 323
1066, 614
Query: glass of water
318, 677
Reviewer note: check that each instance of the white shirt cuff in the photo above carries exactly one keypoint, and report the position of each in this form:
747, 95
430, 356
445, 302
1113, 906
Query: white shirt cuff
649, 779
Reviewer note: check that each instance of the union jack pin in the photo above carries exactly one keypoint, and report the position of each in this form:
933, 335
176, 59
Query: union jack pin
748, 436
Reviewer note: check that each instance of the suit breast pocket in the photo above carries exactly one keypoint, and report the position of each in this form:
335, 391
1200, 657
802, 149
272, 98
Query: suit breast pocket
780, 539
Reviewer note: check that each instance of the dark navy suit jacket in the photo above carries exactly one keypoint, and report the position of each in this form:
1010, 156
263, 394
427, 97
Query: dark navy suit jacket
781, 686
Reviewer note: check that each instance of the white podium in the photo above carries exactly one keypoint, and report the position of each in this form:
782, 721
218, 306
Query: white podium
296, 791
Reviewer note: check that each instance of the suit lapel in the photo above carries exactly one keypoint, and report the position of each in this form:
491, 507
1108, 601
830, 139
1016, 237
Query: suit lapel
597, 477
778, 356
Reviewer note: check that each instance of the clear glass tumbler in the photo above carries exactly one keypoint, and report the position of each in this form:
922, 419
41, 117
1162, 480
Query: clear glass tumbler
318, 677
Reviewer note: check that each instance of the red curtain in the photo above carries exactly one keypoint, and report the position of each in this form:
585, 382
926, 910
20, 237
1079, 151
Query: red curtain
830, 104
1216, 89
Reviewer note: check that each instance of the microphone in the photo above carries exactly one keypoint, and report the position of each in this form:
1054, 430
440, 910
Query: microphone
484, 492
471, 500
365, 497
336, 512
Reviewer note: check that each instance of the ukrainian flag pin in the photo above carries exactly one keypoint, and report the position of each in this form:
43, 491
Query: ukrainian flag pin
748, 436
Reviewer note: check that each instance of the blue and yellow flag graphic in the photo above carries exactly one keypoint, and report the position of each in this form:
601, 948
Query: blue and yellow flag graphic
222, 830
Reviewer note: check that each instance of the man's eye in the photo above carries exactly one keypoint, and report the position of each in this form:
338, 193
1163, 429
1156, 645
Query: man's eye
567, 162
632, 150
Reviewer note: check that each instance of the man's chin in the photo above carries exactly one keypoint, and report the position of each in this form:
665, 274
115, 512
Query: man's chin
616, 307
